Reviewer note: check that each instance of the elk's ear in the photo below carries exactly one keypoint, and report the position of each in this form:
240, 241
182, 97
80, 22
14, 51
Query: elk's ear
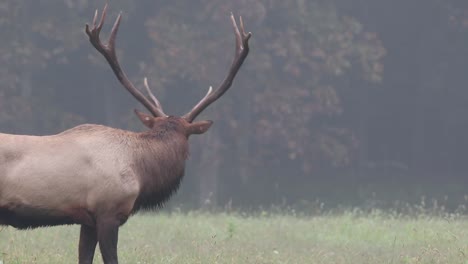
145, 118
199, 127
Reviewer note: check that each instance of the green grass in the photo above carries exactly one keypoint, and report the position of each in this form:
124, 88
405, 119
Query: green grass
197, 237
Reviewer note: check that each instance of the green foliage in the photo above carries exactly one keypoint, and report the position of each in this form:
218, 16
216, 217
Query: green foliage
231, 230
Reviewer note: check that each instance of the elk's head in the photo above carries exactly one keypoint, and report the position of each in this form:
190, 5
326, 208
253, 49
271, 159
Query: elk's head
179, 124
158, 118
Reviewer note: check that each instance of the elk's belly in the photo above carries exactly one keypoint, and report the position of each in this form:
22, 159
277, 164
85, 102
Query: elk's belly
23, 217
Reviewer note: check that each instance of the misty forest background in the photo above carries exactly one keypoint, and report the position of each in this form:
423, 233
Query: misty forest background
354, 103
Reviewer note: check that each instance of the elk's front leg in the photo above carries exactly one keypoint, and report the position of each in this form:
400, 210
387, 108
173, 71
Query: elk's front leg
108, 235
88, 241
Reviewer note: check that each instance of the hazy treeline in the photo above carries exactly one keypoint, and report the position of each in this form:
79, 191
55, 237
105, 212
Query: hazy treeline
338, 101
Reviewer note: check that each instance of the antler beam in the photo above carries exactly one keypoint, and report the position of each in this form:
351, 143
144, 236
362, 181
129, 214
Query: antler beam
241, 52
108, 51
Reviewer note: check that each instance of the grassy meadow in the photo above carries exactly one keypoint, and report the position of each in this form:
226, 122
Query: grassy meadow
197, 237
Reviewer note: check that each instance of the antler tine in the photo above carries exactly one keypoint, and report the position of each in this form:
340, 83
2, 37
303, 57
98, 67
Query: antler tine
103, 17
108, 51
113, 33
236, 31
148, 90
210, 90
95, 17
241, 52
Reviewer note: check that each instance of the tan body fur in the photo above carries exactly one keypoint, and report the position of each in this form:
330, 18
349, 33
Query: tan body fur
82, 171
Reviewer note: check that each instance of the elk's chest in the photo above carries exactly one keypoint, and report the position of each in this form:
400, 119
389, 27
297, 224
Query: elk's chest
160, 170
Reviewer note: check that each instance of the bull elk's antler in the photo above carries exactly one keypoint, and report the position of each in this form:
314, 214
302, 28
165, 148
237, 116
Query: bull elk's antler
108, 51
242, 50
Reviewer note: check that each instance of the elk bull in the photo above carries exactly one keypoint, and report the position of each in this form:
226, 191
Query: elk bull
97, 176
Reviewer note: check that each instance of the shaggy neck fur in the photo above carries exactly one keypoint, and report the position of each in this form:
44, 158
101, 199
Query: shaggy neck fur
159, 160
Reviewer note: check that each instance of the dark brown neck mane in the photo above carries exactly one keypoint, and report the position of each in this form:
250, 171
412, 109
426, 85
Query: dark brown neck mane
159, 160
